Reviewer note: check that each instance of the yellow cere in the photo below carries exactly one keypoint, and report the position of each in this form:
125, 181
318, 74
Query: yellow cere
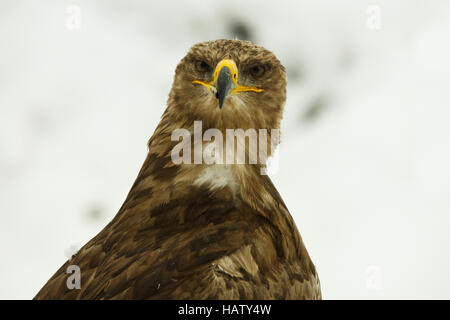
234, 76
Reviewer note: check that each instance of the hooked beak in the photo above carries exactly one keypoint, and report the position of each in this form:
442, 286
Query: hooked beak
225, 81
224, 85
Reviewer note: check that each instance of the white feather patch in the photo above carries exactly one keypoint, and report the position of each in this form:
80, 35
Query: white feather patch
217, 176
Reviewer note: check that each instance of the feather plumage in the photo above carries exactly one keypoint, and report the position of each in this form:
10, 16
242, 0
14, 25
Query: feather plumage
182, 235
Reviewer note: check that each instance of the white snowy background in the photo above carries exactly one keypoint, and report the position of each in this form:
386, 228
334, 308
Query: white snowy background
365, 154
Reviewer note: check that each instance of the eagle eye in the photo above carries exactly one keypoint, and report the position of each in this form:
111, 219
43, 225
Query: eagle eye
257, 71
202, 66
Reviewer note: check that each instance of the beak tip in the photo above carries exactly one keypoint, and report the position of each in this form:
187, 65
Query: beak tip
221, 103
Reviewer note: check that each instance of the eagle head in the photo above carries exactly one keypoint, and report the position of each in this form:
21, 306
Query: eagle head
229, 84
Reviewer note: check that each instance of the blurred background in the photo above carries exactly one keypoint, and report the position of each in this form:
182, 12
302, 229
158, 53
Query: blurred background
365, 153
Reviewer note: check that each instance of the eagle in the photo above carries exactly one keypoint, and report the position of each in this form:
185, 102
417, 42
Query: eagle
202, 230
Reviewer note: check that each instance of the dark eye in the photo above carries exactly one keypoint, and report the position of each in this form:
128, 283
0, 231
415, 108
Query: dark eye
257, 71
202, 66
